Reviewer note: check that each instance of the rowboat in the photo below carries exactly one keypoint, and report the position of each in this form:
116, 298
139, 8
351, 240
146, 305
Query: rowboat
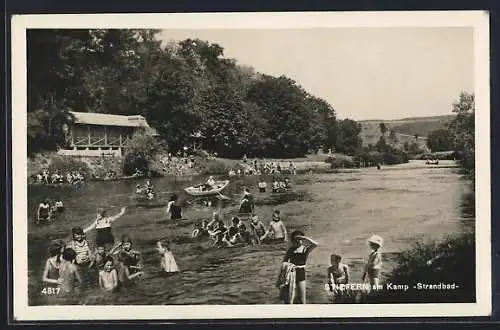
198, 189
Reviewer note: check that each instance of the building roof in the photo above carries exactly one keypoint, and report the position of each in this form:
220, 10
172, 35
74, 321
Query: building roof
92, 118
109, 120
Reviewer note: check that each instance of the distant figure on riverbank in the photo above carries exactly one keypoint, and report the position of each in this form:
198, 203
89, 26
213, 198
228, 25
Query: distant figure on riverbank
378, 166
292, 168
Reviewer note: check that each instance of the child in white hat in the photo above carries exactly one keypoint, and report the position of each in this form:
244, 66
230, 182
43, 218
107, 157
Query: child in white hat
374, 263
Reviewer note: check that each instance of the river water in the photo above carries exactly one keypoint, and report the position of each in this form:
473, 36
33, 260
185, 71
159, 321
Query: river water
402, 203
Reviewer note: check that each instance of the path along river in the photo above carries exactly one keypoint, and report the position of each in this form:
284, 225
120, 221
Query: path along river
401, 203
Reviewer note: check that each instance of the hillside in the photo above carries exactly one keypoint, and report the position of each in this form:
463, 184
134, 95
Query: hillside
405, 128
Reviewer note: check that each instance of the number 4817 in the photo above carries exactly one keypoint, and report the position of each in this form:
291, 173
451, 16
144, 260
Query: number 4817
51, 291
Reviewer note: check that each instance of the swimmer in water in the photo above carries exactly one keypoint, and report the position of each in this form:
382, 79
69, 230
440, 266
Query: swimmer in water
51, 270
69, 276
277, 230
102, 225
108, 277
130, 258
98, 259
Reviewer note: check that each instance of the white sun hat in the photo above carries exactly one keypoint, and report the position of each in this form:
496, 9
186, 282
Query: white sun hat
376, 239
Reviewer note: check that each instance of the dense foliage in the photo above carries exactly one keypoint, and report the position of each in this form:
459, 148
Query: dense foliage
141, 152
440, 140
182, 88
462, 130
459, 134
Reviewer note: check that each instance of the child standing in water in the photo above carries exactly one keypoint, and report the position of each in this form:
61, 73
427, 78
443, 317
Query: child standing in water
81, 246
108, 277
374, 263
337, 273
102, 225
277, 230
168, 263
68, 272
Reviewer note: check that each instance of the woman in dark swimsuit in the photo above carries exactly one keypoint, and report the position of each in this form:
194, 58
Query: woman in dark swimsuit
297, 254
174, 209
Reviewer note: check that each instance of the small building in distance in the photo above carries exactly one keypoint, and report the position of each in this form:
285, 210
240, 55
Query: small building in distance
98, 134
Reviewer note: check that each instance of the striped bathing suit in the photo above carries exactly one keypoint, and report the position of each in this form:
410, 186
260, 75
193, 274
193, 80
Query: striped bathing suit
82, 250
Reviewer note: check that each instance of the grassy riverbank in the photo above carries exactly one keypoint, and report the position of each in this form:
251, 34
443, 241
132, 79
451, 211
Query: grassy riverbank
202, 165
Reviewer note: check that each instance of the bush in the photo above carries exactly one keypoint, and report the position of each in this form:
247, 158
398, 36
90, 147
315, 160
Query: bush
141, 151
63, 165
366, 158
214, 167
340, 162
393, 156
133, 162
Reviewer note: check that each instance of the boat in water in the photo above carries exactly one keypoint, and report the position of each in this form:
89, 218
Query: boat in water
198, 190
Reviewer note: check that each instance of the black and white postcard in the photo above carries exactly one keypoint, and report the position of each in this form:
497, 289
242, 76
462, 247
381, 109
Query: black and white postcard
251, 165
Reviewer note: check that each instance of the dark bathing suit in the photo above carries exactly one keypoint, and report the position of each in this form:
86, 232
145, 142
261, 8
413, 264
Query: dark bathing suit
175, 212
298, 259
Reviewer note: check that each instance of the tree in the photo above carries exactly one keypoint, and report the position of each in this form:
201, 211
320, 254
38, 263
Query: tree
140, 152
440, 140
462, 129
348, 140
181, 88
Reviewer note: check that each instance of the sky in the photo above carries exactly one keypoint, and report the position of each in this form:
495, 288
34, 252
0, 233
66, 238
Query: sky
364, 73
